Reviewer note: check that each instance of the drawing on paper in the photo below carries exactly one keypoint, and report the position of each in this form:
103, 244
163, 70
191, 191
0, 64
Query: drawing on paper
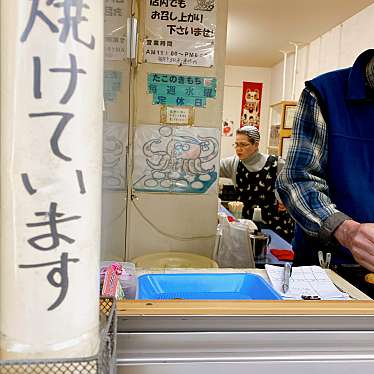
114, 156
175, 159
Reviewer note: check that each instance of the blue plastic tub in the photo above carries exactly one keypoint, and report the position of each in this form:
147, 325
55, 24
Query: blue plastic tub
212, 286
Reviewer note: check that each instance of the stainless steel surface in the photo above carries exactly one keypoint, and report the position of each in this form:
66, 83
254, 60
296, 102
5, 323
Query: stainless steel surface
146, 348
255, 367
245, 323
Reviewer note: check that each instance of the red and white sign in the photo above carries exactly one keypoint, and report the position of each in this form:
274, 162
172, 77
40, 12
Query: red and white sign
251, 104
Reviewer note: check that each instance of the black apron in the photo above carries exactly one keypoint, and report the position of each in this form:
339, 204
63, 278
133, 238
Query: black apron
258, 189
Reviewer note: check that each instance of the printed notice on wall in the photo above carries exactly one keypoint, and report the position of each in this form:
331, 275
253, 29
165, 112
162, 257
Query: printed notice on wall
115, 15
176, 115
181, 90
180, 32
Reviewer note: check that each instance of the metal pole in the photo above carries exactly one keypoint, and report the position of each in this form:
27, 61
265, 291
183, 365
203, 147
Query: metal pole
294, 69
284, 74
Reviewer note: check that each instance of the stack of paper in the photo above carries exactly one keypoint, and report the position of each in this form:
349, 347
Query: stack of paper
305, 281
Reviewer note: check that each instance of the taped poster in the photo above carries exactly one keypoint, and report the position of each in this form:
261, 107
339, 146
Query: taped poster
175, 159
181, 90
180, 32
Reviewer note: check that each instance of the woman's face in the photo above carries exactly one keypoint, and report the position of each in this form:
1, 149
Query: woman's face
243, 147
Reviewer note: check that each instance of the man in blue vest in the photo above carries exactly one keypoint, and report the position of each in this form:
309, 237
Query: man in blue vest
327, 183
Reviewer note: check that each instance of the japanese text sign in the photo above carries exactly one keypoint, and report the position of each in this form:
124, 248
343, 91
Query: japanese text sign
180, 32
181, 90
52, 191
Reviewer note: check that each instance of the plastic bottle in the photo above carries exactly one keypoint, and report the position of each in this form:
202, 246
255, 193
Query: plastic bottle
257, 217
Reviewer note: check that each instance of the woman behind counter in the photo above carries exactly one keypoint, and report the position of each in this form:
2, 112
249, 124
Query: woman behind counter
253, 174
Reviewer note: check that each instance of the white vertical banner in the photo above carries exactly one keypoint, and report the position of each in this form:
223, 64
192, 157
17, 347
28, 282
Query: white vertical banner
51, 156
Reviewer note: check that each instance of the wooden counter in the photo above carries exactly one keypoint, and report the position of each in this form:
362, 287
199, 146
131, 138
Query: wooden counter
361, 305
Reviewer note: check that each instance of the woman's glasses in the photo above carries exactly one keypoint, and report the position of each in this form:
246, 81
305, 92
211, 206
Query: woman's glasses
241, 145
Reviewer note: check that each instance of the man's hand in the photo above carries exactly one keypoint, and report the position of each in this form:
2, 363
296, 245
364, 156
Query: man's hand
281, 207
359, 239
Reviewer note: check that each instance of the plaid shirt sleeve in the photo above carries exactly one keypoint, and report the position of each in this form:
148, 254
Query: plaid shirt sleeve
302, 184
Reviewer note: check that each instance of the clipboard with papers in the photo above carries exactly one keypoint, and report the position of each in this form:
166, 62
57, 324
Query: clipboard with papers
305, 281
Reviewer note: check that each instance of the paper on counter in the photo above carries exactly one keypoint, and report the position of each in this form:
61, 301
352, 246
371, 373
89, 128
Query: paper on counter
305, 280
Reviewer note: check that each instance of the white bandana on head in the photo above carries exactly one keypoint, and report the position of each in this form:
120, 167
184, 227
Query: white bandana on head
252, 132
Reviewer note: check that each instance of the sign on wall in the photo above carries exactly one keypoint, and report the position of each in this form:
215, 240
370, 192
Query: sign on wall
175, 159
177, 115
115, 15
181, 90
251, 104
180, 32
227, 127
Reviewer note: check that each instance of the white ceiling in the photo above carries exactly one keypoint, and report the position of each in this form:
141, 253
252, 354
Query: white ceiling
258, 29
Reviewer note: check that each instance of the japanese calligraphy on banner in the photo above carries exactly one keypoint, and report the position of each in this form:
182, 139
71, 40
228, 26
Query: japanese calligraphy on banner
181, 90
251, 104
180, 32
51, 132
115, 19
175, 159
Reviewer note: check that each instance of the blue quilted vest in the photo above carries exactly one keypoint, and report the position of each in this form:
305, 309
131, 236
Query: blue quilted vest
347, 105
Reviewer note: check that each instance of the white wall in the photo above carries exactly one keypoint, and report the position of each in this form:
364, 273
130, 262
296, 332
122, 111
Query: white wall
234, 77
338, 48
176, 222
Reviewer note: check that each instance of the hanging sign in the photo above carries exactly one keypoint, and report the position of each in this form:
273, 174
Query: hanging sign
251, 104
180, 32
51, 185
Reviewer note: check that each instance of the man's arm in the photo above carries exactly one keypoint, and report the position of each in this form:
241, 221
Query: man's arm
302, 184
303, 188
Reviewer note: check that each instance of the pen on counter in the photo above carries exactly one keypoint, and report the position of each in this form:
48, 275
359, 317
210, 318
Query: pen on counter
286, 277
